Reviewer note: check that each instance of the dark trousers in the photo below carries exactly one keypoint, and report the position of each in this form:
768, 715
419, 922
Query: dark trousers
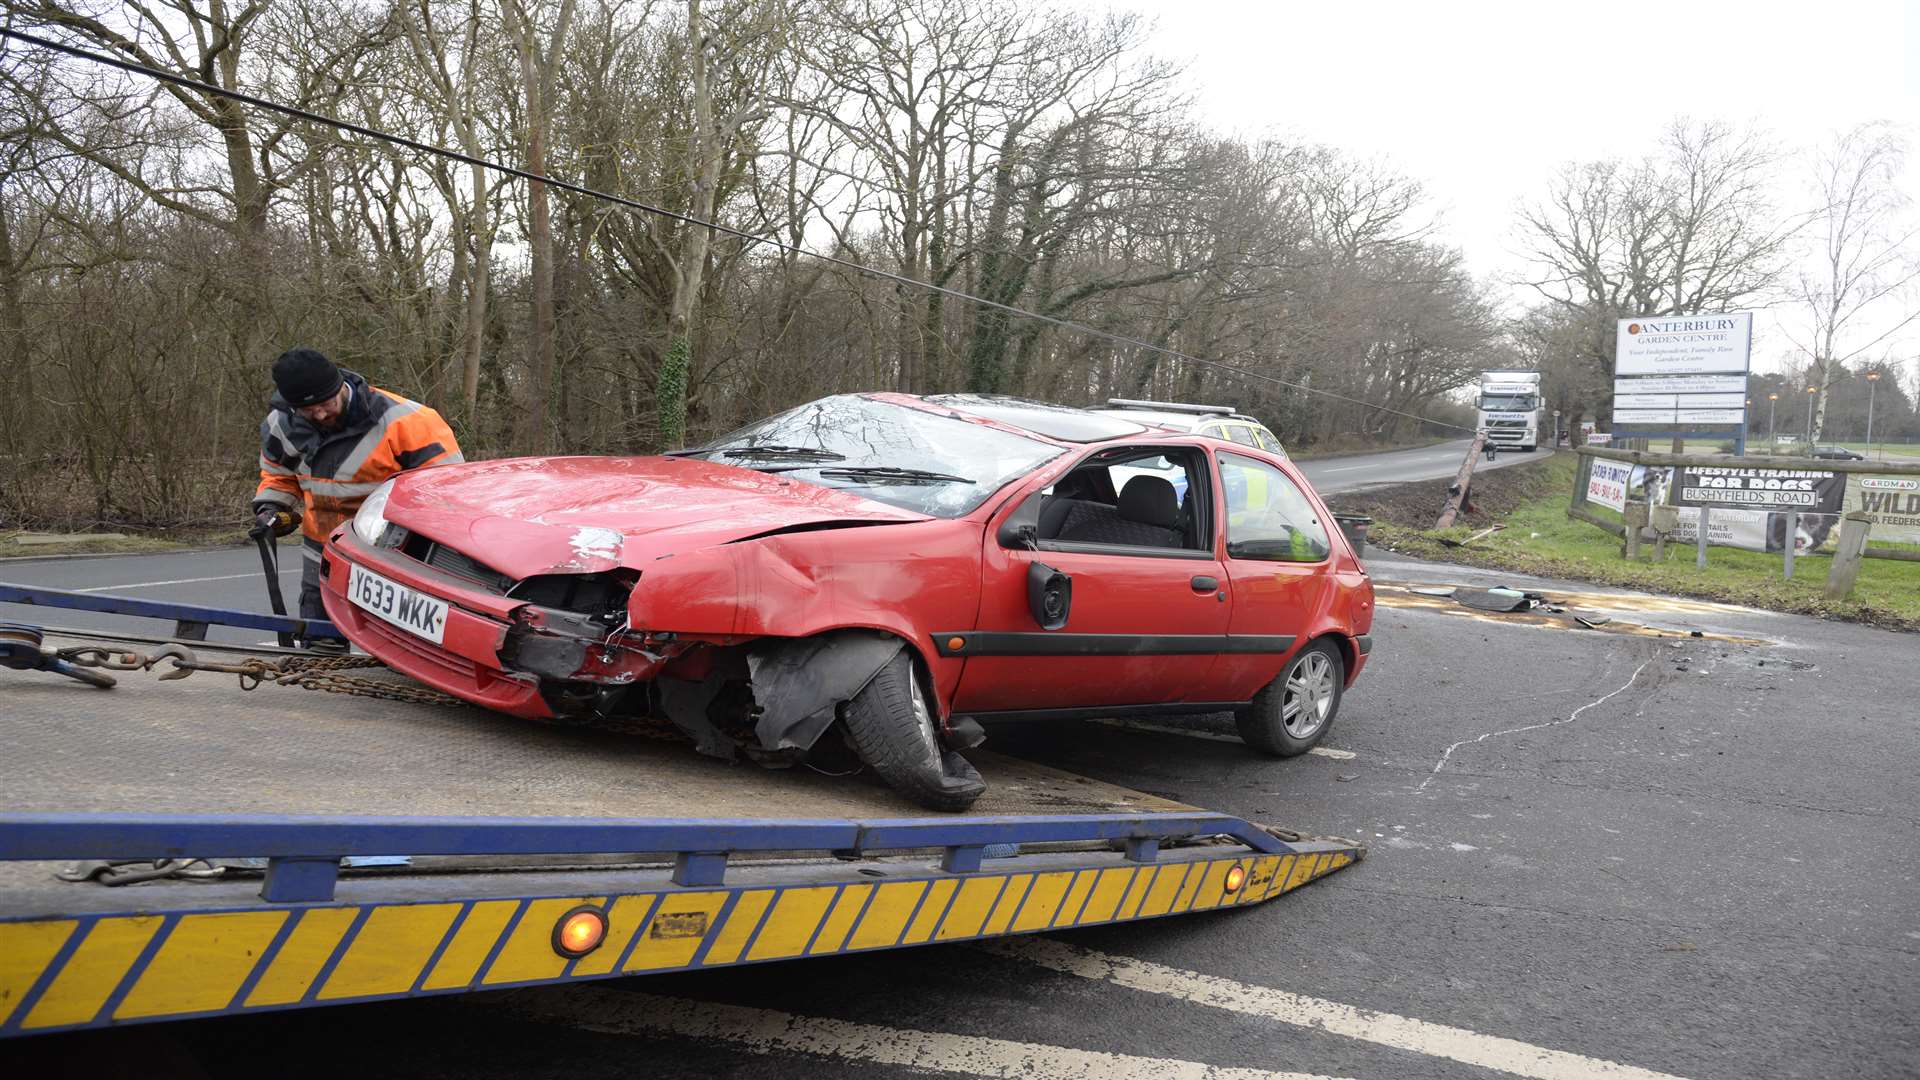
310, 605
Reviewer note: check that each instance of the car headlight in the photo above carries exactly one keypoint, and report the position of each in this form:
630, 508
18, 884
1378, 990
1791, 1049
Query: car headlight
371, 521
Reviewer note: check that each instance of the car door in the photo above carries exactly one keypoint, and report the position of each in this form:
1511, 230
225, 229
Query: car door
1278, 563
1144, 624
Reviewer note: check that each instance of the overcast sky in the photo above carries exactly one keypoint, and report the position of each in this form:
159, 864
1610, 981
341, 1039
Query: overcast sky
1483, 101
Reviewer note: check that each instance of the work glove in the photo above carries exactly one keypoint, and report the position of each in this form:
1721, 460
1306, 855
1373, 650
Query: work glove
273, 518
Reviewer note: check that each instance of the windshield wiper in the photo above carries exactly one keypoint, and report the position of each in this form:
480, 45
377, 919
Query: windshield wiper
894, 473
771, 450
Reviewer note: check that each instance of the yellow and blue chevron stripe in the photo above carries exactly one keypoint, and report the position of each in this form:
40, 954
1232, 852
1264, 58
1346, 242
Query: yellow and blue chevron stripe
98, 969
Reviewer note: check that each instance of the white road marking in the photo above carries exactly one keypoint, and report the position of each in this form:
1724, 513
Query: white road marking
1193, 733
1333, 1017
1575, 715
1347, 468
179, 581
765, 1031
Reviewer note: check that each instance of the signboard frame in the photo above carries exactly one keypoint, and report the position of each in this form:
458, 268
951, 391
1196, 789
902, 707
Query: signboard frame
1708, 362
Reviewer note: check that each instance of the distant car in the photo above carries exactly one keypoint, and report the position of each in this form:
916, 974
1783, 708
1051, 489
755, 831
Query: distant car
891, 568
1213, 421
1837, 453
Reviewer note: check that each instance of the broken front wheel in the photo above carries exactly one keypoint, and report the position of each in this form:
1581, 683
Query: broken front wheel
891, 728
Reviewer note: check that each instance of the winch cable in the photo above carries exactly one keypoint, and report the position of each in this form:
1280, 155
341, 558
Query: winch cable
751, 238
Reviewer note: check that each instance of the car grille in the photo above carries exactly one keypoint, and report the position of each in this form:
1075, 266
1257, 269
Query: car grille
1507, 423
455, 564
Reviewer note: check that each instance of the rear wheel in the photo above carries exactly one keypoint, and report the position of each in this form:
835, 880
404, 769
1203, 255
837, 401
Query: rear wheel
1294, 711
891, 728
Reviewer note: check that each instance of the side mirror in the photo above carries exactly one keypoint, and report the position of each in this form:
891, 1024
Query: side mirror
1021, 530
1049, 595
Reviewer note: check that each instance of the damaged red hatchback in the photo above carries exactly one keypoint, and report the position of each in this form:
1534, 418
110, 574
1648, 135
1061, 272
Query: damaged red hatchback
898, 567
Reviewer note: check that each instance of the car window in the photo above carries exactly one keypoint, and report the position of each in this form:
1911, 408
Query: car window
1268, 516
1239, 433
911, 458
1270, 441
1091, 506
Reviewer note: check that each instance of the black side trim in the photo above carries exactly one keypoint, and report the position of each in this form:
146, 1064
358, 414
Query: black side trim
1363, 644
989, 643
1081, 547
411, 459
1111, 712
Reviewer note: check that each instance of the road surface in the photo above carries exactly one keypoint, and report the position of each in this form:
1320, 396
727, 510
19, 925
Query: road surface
1333, 475
1594, 854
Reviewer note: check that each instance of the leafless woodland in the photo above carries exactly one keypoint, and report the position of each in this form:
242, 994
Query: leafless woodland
159, 246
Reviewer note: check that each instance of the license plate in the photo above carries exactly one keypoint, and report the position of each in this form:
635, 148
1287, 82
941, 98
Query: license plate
415, 612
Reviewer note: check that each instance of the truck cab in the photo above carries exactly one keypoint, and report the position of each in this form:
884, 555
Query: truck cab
1511, 410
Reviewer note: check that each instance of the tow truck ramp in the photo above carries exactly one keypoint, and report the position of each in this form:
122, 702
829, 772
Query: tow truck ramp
330, 848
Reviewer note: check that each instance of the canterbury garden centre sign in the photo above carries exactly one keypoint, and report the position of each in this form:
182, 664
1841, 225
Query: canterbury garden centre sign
1682, 376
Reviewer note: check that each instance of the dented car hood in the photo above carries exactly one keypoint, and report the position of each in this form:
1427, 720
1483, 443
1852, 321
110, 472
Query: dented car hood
530, 516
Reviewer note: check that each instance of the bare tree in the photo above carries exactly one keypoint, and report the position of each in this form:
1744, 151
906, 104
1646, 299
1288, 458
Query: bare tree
1688, 229
538, 29
1863, 261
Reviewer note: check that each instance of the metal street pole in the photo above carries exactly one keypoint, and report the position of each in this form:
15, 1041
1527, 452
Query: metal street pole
1873, 381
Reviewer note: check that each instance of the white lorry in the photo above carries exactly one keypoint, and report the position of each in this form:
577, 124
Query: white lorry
1511, 411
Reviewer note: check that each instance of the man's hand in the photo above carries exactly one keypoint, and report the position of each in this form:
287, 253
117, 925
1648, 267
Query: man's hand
268, 518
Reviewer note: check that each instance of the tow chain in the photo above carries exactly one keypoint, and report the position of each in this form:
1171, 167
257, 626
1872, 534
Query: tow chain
310, 672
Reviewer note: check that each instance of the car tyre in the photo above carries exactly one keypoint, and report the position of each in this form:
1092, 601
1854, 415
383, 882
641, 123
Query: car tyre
891, 728
1293, 712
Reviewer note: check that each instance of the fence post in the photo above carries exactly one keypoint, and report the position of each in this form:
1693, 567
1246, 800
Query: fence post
1635, 516
1700, 555
1793, 540
1846, 558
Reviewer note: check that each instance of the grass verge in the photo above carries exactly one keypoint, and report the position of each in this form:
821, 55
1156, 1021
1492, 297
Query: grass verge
1530, 501
128, 544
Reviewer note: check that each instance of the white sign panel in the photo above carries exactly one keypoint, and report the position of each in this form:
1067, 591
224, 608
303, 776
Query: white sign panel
1681, 384
1736, 402
1608, 483
1713, 417
1684, 345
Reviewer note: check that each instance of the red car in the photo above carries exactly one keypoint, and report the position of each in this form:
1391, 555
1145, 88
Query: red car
899, 567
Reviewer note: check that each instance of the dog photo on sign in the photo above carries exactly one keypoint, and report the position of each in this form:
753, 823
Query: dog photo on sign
1811, 533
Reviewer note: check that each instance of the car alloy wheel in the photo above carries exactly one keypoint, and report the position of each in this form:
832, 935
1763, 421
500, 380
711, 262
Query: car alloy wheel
1308, 699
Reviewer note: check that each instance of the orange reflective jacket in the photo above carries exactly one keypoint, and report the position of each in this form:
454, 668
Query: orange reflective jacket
331, 470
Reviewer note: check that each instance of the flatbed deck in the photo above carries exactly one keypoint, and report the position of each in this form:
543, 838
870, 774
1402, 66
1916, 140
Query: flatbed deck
690, 862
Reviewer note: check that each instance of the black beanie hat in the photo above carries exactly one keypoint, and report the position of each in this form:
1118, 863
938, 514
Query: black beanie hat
305, 377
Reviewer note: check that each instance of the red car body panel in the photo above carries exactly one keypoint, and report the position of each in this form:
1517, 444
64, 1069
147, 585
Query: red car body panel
525, 516
726, 554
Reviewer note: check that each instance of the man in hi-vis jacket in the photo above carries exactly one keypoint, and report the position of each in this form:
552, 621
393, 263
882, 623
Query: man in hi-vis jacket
329, 440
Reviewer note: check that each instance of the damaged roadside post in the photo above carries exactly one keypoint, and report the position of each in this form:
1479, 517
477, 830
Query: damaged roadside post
1457, 497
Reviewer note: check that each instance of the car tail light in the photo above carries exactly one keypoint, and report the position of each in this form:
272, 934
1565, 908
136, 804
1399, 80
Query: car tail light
579, 931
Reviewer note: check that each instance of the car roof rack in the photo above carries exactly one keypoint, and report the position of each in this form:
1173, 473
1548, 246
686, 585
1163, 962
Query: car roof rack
1171, 406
